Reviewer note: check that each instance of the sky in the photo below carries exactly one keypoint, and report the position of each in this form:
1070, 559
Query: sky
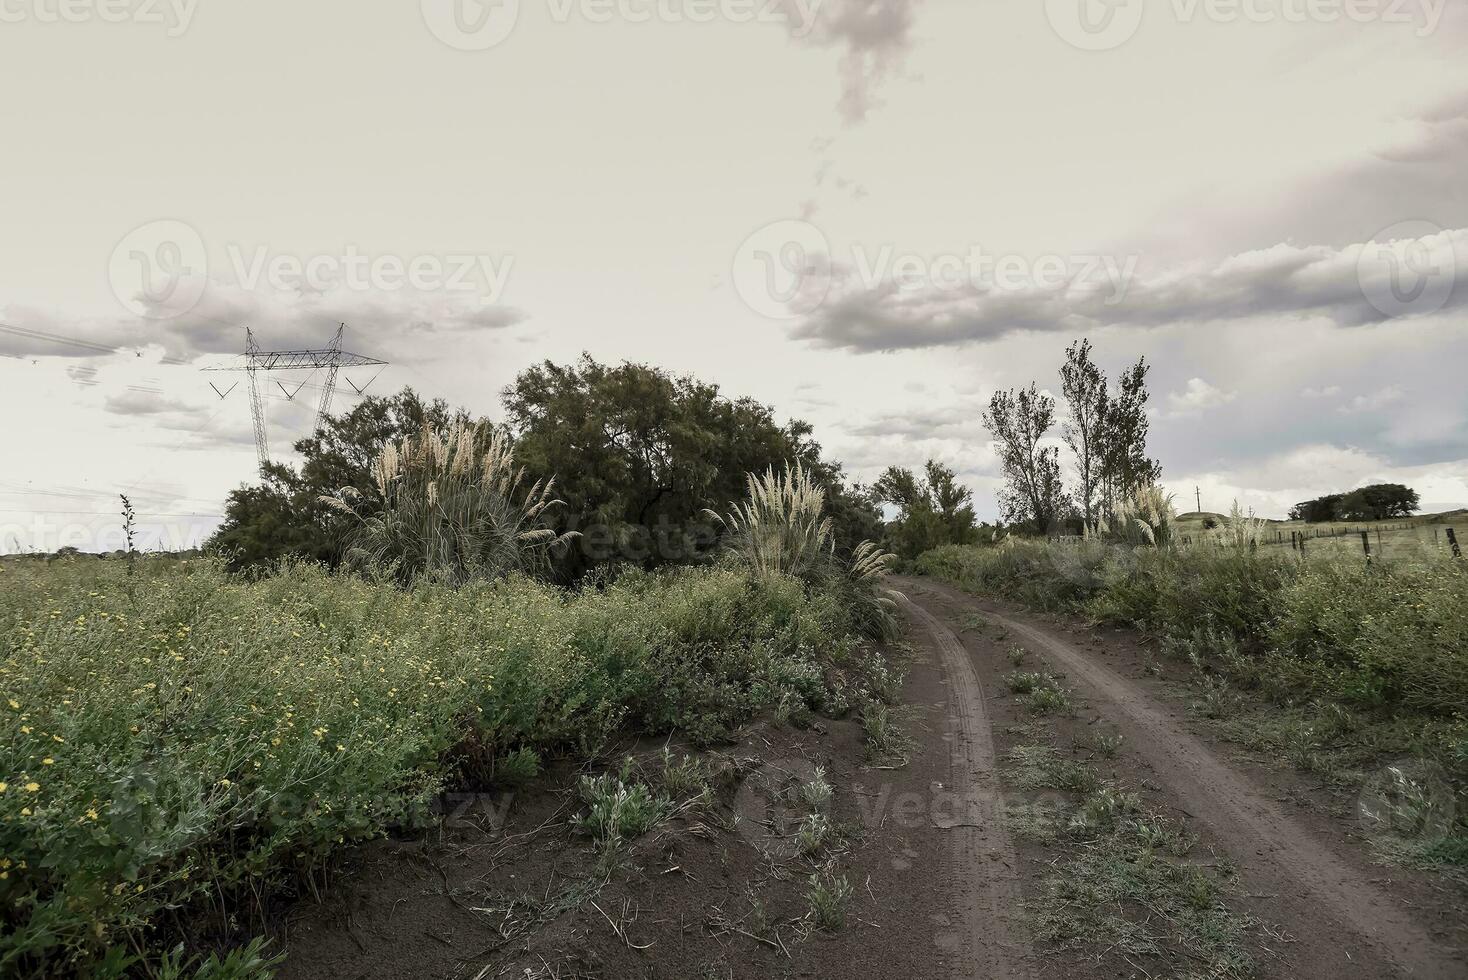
869, 214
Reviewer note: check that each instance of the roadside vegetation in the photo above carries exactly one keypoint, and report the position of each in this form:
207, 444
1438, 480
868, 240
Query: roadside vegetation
183, 742
1356, 672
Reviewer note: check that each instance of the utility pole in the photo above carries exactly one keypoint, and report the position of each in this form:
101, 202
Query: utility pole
332, 358
1198, 492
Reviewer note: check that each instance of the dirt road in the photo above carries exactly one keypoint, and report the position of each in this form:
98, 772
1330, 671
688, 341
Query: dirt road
985, 873
1330, 903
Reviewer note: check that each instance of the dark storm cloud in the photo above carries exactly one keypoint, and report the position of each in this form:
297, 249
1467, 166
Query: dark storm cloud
1284, 282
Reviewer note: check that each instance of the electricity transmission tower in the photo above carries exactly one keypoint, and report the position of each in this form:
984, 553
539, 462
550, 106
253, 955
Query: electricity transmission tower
331, 359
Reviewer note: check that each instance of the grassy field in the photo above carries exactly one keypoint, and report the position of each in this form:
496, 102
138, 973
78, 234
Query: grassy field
1423, 536
178, 744
1354, 671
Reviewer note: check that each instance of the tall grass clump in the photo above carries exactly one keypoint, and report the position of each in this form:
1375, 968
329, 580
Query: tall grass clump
1242, 530
178, 746
450, 506
1146, 519
781, 530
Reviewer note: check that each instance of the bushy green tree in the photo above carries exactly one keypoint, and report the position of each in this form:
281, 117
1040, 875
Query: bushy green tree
641, 454
1321, 510
1380, 502
931, 512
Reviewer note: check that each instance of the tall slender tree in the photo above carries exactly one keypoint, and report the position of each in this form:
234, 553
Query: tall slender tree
1084, 386
1033, 492
1126, 467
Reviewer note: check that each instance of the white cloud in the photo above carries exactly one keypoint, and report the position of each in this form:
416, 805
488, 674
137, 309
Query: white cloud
1325, 391
1198, 396
1375, 401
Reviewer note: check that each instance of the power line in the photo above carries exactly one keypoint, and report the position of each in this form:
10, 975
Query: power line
56, 338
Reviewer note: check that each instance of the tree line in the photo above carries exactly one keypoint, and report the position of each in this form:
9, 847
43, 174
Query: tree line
638, 455
1106, 434
1378, 502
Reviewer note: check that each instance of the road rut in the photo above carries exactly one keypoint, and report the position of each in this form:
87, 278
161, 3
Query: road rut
988, 877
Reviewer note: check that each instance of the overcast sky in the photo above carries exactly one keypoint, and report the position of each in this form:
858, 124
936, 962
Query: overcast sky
867, 213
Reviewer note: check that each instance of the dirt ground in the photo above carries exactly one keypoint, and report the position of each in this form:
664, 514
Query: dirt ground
939, 884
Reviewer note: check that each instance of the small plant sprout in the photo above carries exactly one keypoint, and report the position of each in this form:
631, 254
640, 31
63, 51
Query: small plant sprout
815, 829
828, 895
817, 792
618, 812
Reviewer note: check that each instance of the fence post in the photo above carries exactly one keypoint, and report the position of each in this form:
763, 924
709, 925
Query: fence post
1453, 540
1366, 544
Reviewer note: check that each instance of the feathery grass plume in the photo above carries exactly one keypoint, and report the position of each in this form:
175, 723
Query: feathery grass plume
1241, 530
781, 529
1146, 519
451, 507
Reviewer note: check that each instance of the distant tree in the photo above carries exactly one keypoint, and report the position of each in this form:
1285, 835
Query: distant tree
1033, 494
932, 512
1125, 465
641, 454
1380, 502
1321, 510
1084, 386
283, 515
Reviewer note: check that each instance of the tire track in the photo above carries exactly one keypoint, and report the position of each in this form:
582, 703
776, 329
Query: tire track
986, 872
1243, 818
